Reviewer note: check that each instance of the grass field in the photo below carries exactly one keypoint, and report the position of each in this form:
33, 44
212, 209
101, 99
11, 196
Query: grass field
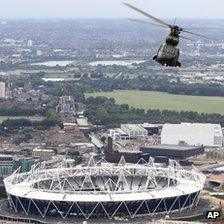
32, 118
3, 118
157, 100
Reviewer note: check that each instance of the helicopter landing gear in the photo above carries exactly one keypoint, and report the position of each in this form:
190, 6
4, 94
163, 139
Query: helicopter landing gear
178, 64
155, 58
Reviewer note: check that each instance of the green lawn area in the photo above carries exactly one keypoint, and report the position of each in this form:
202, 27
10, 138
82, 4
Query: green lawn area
157, 100
3, 118
32, 118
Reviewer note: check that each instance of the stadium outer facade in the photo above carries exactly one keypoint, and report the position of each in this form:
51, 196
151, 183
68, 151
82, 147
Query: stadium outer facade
104, 190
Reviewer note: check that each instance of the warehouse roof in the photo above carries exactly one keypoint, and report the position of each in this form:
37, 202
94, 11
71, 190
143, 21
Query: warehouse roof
192, 129
133, 127
171, 147
83, 122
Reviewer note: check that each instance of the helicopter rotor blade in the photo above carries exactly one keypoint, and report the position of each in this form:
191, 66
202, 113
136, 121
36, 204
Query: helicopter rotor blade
195, 34
148, 15
146, 22
175, 20
186, 38
162, 23
204, 28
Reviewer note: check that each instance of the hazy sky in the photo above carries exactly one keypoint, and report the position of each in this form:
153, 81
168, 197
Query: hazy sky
110, 8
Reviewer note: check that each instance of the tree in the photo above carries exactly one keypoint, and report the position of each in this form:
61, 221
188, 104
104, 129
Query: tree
52, 114
102, 114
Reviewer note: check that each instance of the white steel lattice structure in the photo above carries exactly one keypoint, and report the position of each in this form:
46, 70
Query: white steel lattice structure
104, 190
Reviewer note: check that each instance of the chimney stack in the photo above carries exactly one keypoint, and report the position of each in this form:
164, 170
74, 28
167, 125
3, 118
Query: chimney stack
109, 145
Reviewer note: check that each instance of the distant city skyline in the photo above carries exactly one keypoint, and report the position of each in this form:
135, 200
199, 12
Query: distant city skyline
110, 8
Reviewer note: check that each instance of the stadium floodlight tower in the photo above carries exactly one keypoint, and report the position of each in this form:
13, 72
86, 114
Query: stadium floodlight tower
104, 190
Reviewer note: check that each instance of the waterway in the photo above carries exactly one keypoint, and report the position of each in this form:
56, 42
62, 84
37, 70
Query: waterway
121, 63
53, 63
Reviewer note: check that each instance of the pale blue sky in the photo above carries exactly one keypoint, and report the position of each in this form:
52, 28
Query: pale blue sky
110, 8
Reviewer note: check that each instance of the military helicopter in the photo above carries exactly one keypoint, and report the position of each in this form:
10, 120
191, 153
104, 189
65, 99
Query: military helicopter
169, 52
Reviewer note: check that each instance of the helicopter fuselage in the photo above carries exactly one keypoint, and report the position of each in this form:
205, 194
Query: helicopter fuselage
168, 53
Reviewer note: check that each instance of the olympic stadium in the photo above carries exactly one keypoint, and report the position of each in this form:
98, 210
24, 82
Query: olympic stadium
103, 190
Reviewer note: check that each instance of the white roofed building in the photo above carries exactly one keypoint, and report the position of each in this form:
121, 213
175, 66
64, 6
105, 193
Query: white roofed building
193, 134
134, 130
118, 134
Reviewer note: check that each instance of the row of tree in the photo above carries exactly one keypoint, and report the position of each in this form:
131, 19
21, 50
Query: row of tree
104, 111
152, 83
12, 126
146, 83
19, 111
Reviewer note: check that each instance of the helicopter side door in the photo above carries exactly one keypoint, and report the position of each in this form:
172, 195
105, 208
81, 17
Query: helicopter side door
168, 52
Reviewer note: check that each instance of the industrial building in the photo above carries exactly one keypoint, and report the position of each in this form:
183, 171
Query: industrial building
161, 153
9, 163
66, 105
129, 156
83, 123
171, 151
24, 163
134, 131
153, 129
96, 140
193, 134
6, 165
104, 190
118, 134
43, 153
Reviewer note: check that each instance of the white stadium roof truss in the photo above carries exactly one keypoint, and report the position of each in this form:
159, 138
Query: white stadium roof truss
78, 185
